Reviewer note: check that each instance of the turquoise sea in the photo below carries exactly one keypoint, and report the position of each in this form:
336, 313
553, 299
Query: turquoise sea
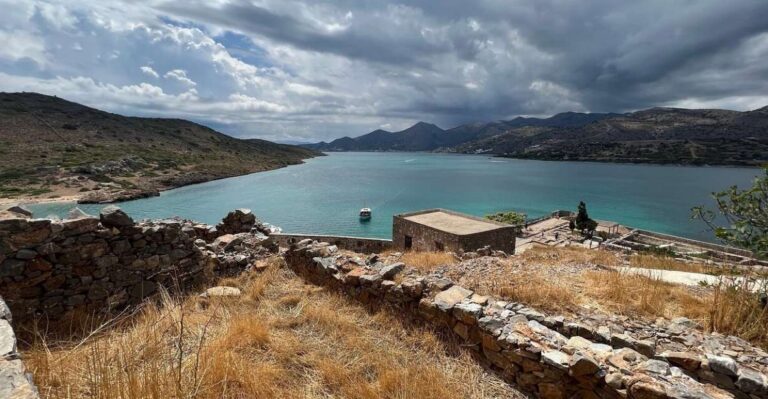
324, 195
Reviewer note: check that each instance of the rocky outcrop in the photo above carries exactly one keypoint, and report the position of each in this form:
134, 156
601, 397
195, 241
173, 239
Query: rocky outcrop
547, 355
105, 196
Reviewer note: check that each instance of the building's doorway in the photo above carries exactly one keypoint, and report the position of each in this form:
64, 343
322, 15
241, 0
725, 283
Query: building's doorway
408, 242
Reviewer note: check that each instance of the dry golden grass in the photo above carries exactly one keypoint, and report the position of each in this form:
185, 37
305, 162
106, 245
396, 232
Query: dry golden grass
542, 294
428, 261
280, 339
640, 295
736, 311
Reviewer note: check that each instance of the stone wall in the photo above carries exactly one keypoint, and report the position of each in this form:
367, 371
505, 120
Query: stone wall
357, 244
14, 380
548, 356
50, 267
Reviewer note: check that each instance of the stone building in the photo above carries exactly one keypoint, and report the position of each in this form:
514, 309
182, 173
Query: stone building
443, 230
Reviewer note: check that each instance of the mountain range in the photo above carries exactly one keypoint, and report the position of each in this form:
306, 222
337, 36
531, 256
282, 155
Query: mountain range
656, 135
50, 147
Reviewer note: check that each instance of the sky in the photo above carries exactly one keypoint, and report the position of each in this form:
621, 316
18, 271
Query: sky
290, 70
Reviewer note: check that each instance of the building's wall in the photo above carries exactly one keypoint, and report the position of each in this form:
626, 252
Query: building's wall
501, 239
423, 238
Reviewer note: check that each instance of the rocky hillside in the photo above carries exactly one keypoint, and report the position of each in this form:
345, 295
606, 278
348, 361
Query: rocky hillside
657, 135
53, 147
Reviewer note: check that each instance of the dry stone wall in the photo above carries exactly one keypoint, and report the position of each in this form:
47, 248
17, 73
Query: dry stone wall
50, 267
357, 244
548, 356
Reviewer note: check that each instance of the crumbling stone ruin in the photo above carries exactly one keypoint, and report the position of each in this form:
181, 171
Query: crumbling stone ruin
51, 267
546, 355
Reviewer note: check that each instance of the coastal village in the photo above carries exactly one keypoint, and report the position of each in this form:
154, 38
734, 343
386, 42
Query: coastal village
546, 343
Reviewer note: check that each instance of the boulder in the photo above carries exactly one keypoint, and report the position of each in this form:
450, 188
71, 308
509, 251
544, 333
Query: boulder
390, 271
112, 216
19, 210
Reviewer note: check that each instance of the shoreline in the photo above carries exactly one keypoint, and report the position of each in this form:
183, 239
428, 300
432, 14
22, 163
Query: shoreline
32, 200
6, 202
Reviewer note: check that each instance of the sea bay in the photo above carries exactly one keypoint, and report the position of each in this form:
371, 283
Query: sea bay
324, 195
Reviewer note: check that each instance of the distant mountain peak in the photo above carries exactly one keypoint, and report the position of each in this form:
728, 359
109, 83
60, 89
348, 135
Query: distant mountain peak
423, 125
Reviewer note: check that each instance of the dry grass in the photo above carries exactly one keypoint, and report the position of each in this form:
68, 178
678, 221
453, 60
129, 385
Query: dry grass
569, 255
736, 311
640, 295
729, 308
542, 294
428, 261
280, 339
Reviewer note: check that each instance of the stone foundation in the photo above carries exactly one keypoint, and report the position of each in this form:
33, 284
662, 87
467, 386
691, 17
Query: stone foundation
548, 356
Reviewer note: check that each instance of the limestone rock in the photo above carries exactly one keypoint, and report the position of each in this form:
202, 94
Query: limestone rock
582, 365
654, 366
7, 340
643, 387
467, 312
447, 299
14, 383
112, 216
723, 365
389, 272
227, 242
751, 381
222, 291
614, 380
687, 360
557, 359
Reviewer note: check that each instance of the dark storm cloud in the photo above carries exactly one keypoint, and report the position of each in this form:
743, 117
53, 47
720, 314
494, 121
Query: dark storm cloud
609, 55
316, 70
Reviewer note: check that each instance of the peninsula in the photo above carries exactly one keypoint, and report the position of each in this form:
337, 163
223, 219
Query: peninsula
53, 149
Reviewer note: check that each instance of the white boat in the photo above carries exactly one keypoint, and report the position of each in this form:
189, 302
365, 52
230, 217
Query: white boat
365, 214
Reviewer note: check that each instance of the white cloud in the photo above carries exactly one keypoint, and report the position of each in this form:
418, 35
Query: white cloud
18, 45
149, 71
181, 76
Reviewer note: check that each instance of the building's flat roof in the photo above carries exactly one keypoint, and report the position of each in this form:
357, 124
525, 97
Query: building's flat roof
451, 223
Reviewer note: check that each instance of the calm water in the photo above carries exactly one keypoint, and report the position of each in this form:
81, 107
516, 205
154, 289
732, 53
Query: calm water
324, 195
